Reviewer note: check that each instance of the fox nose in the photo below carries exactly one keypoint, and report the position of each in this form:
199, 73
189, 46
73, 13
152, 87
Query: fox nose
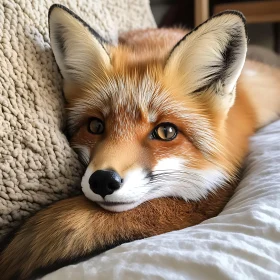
105, 182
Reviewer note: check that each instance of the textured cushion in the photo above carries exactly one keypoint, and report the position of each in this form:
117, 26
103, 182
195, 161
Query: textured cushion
37, 166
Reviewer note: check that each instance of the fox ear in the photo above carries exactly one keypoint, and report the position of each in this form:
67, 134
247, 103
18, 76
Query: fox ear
211, 58
79, 51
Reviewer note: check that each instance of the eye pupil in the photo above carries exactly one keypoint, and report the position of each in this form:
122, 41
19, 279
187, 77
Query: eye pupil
165, 130
96, 126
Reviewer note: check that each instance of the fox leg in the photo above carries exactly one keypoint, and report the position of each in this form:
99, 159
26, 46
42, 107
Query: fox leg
75, 229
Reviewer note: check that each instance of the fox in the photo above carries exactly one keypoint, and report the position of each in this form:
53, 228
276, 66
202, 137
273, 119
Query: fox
161, 121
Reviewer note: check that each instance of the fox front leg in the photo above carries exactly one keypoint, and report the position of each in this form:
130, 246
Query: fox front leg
75, 229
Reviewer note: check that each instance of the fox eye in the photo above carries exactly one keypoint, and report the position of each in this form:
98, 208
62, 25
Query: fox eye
95, 126
165, 132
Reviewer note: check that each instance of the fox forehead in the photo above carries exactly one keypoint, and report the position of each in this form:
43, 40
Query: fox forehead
130, 97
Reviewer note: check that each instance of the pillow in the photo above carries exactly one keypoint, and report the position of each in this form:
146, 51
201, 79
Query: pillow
243, 242
37, 166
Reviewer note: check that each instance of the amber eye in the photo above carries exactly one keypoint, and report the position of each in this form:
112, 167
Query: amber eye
95, 126
165, 132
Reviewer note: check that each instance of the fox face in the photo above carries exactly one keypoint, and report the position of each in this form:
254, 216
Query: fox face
148, 119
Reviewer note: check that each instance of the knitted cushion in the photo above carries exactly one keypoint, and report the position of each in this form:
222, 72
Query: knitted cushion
37, 165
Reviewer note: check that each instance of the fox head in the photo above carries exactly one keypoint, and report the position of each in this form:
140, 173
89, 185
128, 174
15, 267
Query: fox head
149, 123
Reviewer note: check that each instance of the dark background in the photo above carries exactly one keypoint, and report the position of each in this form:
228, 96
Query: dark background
181, 13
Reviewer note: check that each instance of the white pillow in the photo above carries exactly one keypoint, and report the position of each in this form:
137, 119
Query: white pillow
243, 242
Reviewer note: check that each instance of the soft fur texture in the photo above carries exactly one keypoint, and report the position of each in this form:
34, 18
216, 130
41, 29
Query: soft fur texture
152, 77
75, 228
37, 166
242, 242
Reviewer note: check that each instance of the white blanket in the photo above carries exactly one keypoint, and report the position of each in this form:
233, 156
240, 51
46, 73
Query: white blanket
243, 242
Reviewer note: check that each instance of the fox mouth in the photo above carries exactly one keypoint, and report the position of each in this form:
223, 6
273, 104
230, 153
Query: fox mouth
108, 203
117, 206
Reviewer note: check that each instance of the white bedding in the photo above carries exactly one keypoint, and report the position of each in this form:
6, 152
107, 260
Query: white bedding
243, 242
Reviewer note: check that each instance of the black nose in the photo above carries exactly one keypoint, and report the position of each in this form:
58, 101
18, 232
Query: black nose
105, 182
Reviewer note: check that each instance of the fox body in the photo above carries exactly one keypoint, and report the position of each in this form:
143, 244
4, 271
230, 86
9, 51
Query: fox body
165, 113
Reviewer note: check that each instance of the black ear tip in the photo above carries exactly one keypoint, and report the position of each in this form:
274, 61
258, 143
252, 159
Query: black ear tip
52, 7
232, 12
235, 13
59, 6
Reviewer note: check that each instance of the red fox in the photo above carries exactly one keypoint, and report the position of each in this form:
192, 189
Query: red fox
162, 122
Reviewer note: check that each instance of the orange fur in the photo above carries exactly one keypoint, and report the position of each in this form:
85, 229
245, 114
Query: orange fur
145, 51
76, 228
